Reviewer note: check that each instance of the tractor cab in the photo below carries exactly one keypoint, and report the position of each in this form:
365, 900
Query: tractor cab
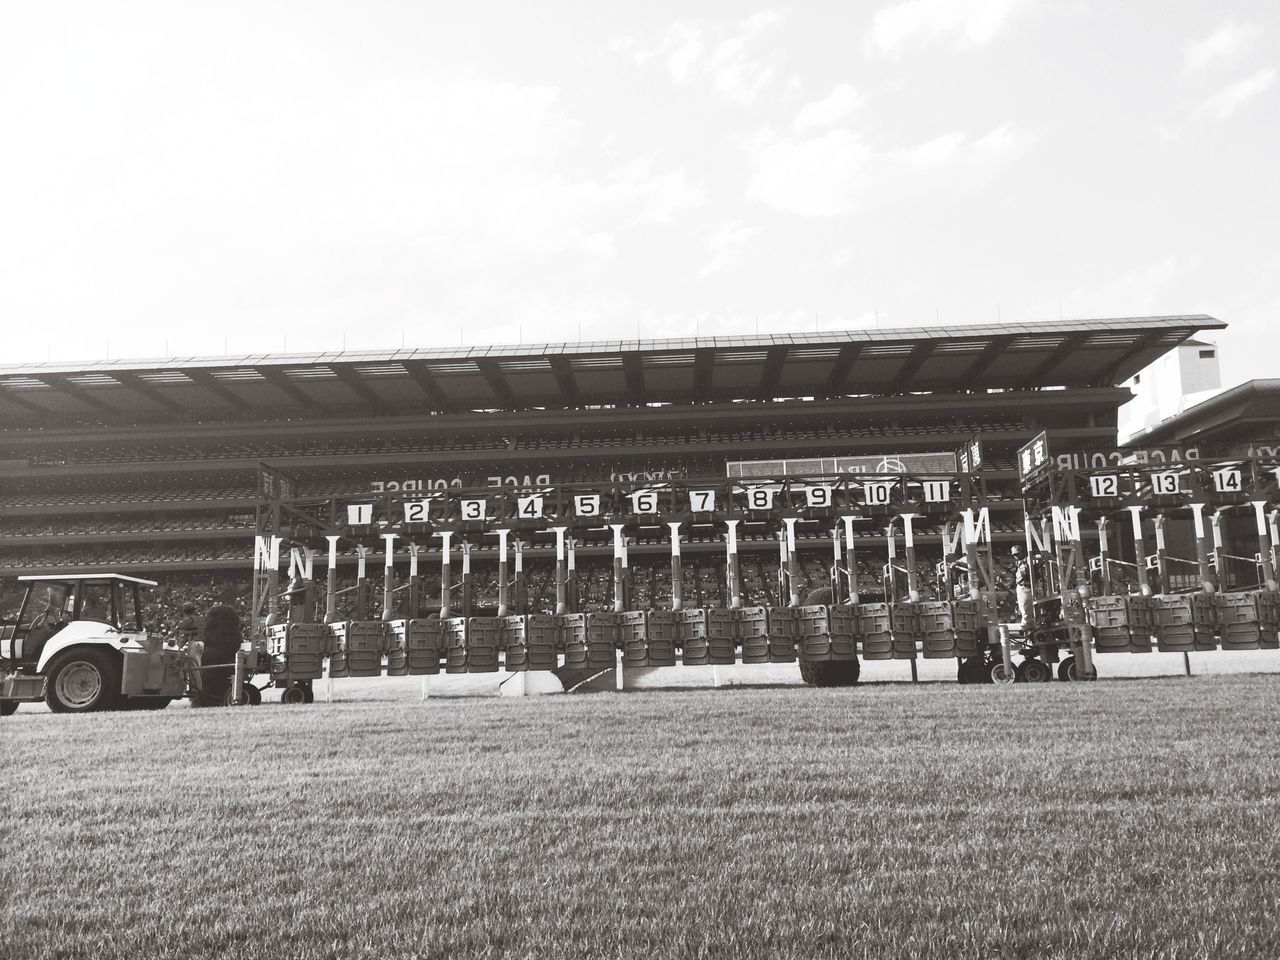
102, 603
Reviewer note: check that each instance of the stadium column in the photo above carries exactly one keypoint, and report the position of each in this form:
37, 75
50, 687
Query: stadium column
850, 560
1202, 547
562, 606
331, 582
1264, 545
502, 571
389, 577
677, 584
731, 565
1139, 550
619, 566
446, 588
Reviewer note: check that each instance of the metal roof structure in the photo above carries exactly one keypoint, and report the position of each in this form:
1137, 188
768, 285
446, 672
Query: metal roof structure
1245, 413
1068, 353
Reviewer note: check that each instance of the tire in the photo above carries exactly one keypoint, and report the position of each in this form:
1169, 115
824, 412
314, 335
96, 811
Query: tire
293, 694
1067, 671
830, 673
1033, 670
8, 707
998, 674
84, 680
250, 696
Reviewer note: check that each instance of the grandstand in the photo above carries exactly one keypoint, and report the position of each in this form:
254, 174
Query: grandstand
150, 467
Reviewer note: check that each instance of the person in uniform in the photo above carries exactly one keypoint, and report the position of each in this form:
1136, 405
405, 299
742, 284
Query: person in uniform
188, 629
1022, 581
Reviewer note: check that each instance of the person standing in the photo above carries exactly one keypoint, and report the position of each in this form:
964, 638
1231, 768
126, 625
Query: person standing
1022, 582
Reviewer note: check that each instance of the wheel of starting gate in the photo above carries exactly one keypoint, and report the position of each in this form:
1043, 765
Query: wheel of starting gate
294, 694
8, 707
1001, 674
1033, 670
249, 696
1067, 671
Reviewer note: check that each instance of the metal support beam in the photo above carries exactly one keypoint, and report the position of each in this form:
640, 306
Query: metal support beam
1069, 345
206, 379
422, 376
775, 360
1144, 343
703, 371
11, 396
492, 374
911, 366
634, 371
143, 389
565, 380
351, 378
280, 380
990, 353
841, 369
78, 393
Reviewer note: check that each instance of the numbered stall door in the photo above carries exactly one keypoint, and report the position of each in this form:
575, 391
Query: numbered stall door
905, 620
1269, 620
1238, 622
364, 648
1109, 618
607, 633
937, 629
424, 645
1204, 618
513, 643
753, 636
970, 628
874, 636
483, 636
542, 641
1172, 623
337, 648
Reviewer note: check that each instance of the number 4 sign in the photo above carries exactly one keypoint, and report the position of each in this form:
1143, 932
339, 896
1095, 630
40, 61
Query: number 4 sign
529, 508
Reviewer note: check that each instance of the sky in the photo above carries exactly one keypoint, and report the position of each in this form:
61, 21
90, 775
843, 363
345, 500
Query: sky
193, 179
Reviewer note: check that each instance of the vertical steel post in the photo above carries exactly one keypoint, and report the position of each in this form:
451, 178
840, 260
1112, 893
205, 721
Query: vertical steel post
503, 586
562, 606
331, 583
466, 578
1139, 550
793, 566
850, 559
1202, 547
619, 552
731, 565
1104, 555
1264, 545
677, 576
389, 578
446, 573
909, 549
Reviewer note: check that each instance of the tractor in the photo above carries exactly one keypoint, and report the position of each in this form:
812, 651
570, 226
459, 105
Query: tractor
78, 644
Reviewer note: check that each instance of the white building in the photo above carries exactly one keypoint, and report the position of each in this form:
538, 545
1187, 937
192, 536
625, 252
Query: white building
1180, 379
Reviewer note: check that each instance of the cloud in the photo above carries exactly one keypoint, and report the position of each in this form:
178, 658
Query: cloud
1138, 292
836, 173
725, 240
727, 57
1226, 42
832, 109
957, 23
1234, 95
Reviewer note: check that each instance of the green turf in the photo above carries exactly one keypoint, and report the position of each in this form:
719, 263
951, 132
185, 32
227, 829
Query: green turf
1118, 819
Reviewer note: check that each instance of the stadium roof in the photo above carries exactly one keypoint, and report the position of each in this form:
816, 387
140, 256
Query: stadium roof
1068, 353
1244, 414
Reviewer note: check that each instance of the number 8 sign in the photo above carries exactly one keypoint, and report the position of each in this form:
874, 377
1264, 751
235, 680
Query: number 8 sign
760, 498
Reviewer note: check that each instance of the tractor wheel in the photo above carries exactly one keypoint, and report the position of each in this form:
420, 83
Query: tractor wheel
1033, 670
250, 696
8, 707
830, 673
83, 681
294, 694
1067, 671
1000, 674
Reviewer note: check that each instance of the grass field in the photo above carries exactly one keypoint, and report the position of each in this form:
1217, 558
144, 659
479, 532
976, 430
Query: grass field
1129, 818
